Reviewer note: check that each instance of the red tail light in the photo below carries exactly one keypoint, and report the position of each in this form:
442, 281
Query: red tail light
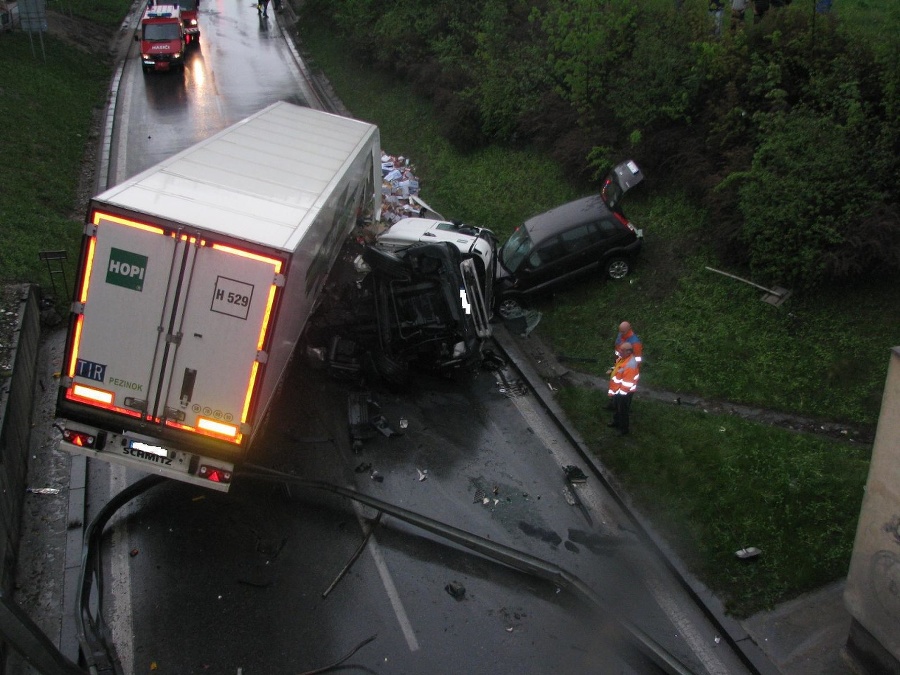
214, 474
80, 438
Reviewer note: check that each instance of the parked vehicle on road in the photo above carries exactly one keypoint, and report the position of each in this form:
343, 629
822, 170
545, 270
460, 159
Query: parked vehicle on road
588, 236
189, 9
195, 283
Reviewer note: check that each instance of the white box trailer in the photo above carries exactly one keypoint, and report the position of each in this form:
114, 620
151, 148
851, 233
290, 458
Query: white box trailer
195, 282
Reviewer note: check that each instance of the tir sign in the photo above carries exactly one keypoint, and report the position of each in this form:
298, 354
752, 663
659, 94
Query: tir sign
126, 269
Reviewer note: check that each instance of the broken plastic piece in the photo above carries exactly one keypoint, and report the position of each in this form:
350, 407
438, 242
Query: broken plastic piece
574, 474
382, 425
422, 474
456, 590
377, 477
363, 467
43, 491
748, 553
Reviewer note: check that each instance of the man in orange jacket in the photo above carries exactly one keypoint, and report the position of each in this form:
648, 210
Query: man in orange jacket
622, 385
626, 334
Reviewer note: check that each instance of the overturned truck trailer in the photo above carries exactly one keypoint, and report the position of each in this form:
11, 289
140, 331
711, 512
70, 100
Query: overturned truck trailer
195, 282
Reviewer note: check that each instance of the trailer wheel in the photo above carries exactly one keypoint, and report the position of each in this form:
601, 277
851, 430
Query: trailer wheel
385, 262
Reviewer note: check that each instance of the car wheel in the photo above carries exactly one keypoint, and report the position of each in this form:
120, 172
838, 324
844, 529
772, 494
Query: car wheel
385, 262
510, 309
617, 267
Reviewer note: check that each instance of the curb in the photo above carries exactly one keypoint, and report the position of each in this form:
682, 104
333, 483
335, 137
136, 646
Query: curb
733, 632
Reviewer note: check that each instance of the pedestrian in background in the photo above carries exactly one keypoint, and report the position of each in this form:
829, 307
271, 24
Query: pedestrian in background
263, 8
622, 385
626, 334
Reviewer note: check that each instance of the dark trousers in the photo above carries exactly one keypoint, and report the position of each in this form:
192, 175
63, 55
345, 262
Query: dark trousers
622, 403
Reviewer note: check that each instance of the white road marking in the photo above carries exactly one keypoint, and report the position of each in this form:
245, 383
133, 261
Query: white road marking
389, 586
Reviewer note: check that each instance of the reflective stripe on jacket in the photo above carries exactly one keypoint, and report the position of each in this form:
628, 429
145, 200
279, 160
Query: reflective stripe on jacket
625, 376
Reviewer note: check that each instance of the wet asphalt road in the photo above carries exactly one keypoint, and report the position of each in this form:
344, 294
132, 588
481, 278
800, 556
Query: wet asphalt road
201, 582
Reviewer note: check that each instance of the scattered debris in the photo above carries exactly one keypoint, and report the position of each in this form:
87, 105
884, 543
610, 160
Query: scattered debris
382, 425
362, 467
423, 475
519, 320
748, 553
43, 491
479, 496
133, 553
456, 590
574, 474
377, 477
569, 497
404, 423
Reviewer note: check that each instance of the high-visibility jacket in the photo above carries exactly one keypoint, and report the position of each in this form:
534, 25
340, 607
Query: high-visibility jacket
637, 347
625, 376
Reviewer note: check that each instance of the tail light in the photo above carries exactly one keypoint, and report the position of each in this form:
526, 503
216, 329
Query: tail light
214, 474
80, 438
622, 219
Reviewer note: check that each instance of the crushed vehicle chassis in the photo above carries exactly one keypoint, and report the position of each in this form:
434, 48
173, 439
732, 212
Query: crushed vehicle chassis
387, 313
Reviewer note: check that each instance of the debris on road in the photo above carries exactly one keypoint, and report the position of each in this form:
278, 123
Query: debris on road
456, 590
43, 491
423, 475
574, 474
748, 553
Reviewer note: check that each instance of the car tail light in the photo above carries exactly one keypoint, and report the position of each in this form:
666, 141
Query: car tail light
214, 474
80, 438
622, 219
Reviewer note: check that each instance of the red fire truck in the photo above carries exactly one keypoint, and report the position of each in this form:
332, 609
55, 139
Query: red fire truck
162, 38
189, 20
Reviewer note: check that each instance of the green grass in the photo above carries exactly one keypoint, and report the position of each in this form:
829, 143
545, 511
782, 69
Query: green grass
42, 149
710, 491
716, 484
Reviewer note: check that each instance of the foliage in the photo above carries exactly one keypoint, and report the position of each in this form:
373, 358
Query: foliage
718, 484
43, 148
793, 119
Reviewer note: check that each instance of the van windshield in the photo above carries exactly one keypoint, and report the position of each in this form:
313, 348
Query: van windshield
516, 249
162, 31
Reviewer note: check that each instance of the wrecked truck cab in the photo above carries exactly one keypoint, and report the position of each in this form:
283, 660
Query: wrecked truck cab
429, 308
477, 243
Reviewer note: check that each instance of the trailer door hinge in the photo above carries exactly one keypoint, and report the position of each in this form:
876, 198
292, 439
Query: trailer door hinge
278, 280
262, 356
90, 229
135, 404
77, 308
174, 414
174, 338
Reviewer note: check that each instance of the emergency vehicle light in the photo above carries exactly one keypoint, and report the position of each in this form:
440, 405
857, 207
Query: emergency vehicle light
80, 438
98, 395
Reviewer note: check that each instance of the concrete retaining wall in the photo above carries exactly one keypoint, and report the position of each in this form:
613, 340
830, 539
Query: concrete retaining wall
16, 399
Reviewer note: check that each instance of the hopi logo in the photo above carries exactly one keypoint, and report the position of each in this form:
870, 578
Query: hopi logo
126, 269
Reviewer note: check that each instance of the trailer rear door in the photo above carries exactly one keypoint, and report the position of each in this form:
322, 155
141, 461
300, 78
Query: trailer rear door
172, 327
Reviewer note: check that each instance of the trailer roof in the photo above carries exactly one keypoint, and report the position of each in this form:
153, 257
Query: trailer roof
262, 180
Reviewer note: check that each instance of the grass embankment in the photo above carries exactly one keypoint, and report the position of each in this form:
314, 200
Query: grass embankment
713, 484
49, 92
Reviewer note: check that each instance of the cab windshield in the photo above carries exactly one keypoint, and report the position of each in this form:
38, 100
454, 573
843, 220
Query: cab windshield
516, 250
162, 32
